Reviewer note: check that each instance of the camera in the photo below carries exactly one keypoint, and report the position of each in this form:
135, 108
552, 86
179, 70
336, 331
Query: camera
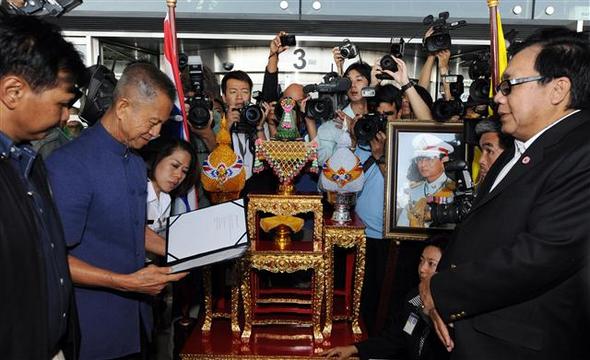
367, 127
251, 114
442, 109
324, 107
440, 38
387, 63
348, 50
288, 40
463, 196
199, 103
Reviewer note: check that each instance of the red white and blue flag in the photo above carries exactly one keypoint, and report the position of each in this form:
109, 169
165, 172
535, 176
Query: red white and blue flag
188, 202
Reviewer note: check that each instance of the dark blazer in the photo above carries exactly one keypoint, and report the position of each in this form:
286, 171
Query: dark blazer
513, 280
23, 288
395, 343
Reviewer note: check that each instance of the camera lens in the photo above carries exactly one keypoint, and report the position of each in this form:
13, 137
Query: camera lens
443, 110
251, 114
198, 116
387, 63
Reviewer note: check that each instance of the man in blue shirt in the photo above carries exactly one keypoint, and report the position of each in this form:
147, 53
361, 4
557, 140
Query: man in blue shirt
99, 186
38, 72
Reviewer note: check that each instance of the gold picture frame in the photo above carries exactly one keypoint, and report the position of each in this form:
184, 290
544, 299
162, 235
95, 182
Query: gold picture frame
405, 182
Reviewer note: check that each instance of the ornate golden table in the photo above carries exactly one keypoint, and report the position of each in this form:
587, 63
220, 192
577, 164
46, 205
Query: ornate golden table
295, 256
349, 235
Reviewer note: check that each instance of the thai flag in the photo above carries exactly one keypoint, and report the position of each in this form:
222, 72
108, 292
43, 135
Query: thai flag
188, 202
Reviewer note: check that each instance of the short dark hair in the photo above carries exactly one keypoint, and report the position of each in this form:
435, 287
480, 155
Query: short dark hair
491, 125
147, 79
363, 68
439, 241
388, 94
162, 147
34, 49
236, 75
564, 53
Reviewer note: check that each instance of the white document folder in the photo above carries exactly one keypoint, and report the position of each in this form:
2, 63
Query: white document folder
206, 236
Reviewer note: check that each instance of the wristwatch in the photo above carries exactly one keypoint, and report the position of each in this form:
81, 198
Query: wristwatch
381, 160
407, 86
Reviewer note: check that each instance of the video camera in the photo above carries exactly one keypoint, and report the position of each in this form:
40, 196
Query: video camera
440, 38
199, 103
367, 127
324, 107
443, 110
463, 196
479, 72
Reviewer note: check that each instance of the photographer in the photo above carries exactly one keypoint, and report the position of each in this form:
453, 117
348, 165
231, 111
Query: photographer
369, 203
419, 104
236, 88
443, 67
329, 132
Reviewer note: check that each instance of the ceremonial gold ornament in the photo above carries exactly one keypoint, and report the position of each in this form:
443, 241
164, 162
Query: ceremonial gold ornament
286, 159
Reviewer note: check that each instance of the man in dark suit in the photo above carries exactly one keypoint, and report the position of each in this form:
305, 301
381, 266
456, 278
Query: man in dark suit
38, 74
513, 283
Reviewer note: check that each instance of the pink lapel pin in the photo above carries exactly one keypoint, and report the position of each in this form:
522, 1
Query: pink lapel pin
526, 160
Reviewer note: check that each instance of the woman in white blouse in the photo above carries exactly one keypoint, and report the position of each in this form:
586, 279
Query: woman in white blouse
171, 167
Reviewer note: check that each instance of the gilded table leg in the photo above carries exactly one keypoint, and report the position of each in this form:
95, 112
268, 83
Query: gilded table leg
208, 299
247, 301
235, 297
329, 288
317, 301
358, 281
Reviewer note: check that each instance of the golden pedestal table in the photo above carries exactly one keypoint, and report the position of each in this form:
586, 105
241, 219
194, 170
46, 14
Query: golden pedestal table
348, 235
271, 256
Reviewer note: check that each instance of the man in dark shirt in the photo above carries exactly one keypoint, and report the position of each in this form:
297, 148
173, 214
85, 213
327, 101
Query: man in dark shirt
38, 74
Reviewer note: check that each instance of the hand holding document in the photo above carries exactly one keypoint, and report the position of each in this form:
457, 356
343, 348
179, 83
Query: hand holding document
206, 236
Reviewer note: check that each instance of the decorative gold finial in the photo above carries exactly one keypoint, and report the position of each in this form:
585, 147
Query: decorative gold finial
171, 3
492, 3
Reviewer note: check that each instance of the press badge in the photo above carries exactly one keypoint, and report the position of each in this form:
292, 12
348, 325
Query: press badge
411, 324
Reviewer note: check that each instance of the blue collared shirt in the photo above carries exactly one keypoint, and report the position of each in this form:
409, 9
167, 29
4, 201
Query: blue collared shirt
59, 285
100, 191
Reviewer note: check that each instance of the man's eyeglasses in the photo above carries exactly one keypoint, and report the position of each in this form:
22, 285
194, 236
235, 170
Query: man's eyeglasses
505, 87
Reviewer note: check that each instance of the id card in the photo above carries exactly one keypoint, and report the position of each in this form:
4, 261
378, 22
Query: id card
411, 324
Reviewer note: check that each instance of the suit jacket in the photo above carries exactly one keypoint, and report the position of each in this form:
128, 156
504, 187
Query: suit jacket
404, 343
513, 280
23, 287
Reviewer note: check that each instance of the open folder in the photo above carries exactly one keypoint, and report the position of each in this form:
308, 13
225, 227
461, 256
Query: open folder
206, 236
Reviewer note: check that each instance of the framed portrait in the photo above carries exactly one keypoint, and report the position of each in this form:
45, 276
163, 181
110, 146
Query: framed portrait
416, 181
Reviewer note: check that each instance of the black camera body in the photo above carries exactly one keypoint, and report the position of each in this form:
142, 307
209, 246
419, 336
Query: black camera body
199, 103
367, 127
324, 107
443, 110
387, 63
348, 50
463, 196
199, 112
440, 38
288, 40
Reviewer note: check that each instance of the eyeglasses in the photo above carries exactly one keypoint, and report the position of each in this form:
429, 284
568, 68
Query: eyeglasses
505, 87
